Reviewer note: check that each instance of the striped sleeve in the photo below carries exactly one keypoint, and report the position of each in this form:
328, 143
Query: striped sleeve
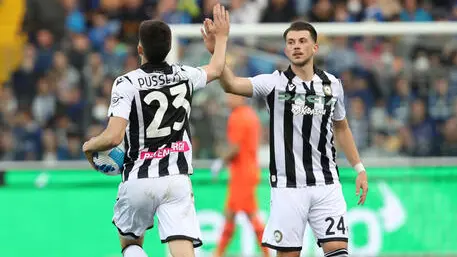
340, 111
263, 84
122, 96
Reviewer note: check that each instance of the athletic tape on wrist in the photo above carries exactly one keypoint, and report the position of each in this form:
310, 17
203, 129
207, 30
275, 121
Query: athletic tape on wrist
359, 167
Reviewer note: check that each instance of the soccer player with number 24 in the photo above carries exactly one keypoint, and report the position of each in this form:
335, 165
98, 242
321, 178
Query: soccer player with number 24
307, 112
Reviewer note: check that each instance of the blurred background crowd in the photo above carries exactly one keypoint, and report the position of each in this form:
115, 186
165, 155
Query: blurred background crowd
400, 91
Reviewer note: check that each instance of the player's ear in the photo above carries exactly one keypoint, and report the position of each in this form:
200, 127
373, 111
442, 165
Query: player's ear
315, 48
140, 50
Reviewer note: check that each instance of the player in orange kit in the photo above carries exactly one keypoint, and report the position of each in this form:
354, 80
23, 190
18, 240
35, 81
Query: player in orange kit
243, 134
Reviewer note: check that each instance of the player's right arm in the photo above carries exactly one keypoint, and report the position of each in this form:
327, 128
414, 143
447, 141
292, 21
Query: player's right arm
220, 27
260, 85
235, 85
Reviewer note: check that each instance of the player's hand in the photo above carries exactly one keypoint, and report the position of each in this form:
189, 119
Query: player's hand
221, 21
216, 167
89, 154
361, 183
208, 33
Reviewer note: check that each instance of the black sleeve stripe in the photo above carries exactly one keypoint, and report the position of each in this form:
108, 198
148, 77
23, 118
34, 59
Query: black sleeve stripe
128, 79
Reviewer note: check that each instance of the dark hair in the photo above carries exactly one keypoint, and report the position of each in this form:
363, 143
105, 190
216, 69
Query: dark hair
155, 37
301, 25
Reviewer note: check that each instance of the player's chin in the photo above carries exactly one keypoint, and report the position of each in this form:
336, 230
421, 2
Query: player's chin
300, 61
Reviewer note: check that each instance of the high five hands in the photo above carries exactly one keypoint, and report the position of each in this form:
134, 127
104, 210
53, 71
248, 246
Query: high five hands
216, 29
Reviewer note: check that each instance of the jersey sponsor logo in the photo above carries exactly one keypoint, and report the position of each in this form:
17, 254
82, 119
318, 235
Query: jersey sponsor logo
299, 102
115, 99
159, 80
176, 147
298, 109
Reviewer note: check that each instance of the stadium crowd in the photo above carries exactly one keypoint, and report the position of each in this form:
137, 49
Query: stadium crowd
401, 92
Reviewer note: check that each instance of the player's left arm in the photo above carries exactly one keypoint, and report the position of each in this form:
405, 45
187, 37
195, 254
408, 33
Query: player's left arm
346, 141
111, 137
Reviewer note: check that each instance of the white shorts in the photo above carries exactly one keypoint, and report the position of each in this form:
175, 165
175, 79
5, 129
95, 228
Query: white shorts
171, 197
323, 207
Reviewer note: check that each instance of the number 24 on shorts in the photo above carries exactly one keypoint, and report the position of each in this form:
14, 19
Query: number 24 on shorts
340, 226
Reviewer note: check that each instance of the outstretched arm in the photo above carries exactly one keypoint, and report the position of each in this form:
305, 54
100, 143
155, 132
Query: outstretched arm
235, 85
220, 28
230, 83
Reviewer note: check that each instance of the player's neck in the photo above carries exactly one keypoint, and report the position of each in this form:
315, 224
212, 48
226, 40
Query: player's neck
305, 72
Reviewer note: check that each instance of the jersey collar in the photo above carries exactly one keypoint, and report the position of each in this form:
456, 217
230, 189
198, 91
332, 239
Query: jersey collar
163, 67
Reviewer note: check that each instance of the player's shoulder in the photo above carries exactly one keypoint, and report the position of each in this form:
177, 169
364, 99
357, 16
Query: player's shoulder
269, 77
126, 79
185, 68
334, 80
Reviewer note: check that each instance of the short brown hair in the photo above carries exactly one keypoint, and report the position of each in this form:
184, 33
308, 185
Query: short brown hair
155, 37
301, 25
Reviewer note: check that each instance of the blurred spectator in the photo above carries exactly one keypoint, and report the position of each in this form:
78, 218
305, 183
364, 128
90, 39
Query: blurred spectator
74, 106
45, 51
279, 11
453, 73
359, 122
251, 11
112, 8
133, 13
101, 29
73, 149
341, 57
24, 79
78, 51
45, 14
449, 147
322, 11
453, 15
421, 134
50, 152
64, 76
75, 21
8, 107
44, 104
94, 71
440, 101
28, 133
372, 11
399, 103
341, 13
167, 11
412, 12
206, 11
113, 55
7, 146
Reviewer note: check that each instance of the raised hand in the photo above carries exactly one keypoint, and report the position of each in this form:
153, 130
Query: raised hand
221, 21
208, 33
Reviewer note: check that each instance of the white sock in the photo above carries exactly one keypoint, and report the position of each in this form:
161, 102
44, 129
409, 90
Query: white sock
134, 251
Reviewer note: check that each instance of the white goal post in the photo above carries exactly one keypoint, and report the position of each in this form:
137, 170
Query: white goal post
276, 30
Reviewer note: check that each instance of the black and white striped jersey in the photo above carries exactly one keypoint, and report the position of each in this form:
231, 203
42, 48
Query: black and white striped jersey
302, 151
156, 100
